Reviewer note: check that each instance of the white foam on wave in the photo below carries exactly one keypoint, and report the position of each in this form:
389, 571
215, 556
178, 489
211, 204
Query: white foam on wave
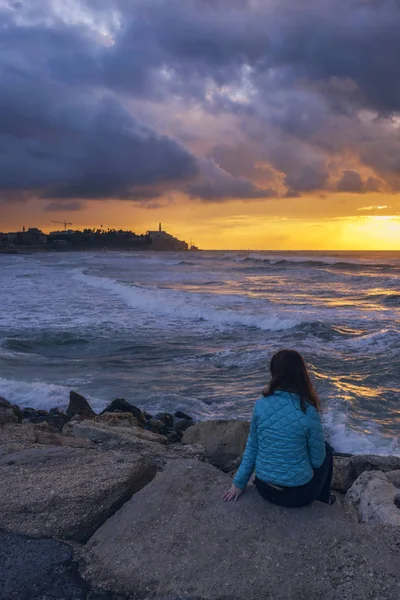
345, 438
35, 394
377, 341
41, 395
196, 308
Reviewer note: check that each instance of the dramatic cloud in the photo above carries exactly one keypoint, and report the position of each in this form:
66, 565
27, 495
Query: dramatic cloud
304, 97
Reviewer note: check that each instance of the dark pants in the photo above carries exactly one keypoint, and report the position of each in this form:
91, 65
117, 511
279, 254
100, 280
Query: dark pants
319, 488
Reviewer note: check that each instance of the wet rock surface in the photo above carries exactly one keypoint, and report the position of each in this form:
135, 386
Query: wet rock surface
42, 569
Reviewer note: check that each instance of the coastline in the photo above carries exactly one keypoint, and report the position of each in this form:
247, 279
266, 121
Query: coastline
114, 506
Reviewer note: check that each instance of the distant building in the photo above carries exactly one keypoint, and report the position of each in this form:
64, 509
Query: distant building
32, 237
161, 240
62, 233
4, 239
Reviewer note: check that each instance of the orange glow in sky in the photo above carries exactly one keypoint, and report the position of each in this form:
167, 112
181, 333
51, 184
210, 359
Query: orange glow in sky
292, 224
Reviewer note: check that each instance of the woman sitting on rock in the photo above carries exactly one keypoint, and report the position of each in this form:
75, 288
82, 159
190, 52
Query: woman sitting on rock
286, 445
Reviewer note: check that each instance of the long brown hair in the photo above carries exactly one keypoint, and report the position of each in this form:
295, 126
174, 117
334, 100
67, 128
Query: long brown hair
289, 373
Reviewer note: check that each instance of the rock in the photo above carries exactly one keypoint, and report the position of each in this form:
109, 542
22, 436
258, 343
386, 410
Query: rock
46, 427
15, 437
157, 426
166, 419
224, 441
181, 415
176, 538
174, 436
57, 418
47, 435
119, 404
102, 433
67, 492
118, 419
183, 424
54, 417
78, 405
346, 470
68, 427
7, 412
374, 499
394, 477
18, 412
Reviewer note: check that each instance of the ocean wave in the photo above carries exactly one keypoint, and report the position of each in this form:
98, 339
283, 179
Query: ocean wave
181, 305
380, 341
40, 394
346, 438
43, 339
36, 394
307, 261
385, 299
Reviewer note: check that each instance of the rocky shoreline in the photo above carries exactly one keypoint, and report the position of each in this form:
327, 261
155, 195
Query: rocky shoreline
127, 505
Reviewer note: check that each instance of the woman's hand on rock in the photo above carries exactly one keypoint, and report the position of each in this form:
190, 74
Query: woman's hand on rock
233, 493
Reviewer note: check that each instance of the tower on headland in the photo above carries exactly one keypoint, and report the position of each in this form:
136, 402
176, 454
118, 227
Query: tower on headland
159, 227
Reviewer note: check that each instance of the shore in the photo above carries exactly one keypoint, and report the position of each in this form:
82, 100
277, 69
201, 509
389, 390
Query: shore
127, 505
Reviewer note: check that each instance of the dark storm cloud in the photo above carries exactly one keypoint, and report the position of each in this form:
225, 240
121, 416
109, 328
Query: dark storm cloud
216, 184
80, 147
64, 135
350, 181
300, 83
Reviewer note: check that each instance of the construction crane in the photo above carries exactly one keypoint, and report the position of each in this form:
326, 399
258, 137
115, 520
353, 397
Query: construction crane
65, 223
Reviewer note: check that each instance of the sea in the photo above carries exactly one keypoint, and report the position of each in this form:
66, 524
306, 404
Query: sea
195, 331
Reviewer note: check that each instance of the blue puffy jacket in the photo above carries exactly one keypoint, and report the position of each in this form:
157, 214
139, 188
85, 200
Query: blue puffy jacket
284, 443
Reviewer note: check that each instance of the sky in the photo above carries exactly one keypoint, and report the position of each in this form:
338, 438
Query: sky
237, 124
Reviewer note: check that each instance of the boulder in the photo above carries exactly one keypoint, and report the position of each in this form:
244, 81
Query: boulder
183, 424
121, 405
176, 538
181, 415
45, 434
224, 441
174, 436
394, 477
8, 414
157, 426
67, 492
117, 419
102, 433
78, 405
375, 499
57, 418
346, 470
166, 419
68, 427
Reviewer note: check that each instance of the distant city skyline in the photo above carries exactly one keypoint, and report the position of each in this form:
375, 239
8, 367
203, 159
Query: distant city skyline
239, 124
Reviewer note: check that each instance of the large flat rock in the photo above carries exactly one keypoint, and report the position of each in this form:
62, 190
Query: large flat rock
67, 492
176, 538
